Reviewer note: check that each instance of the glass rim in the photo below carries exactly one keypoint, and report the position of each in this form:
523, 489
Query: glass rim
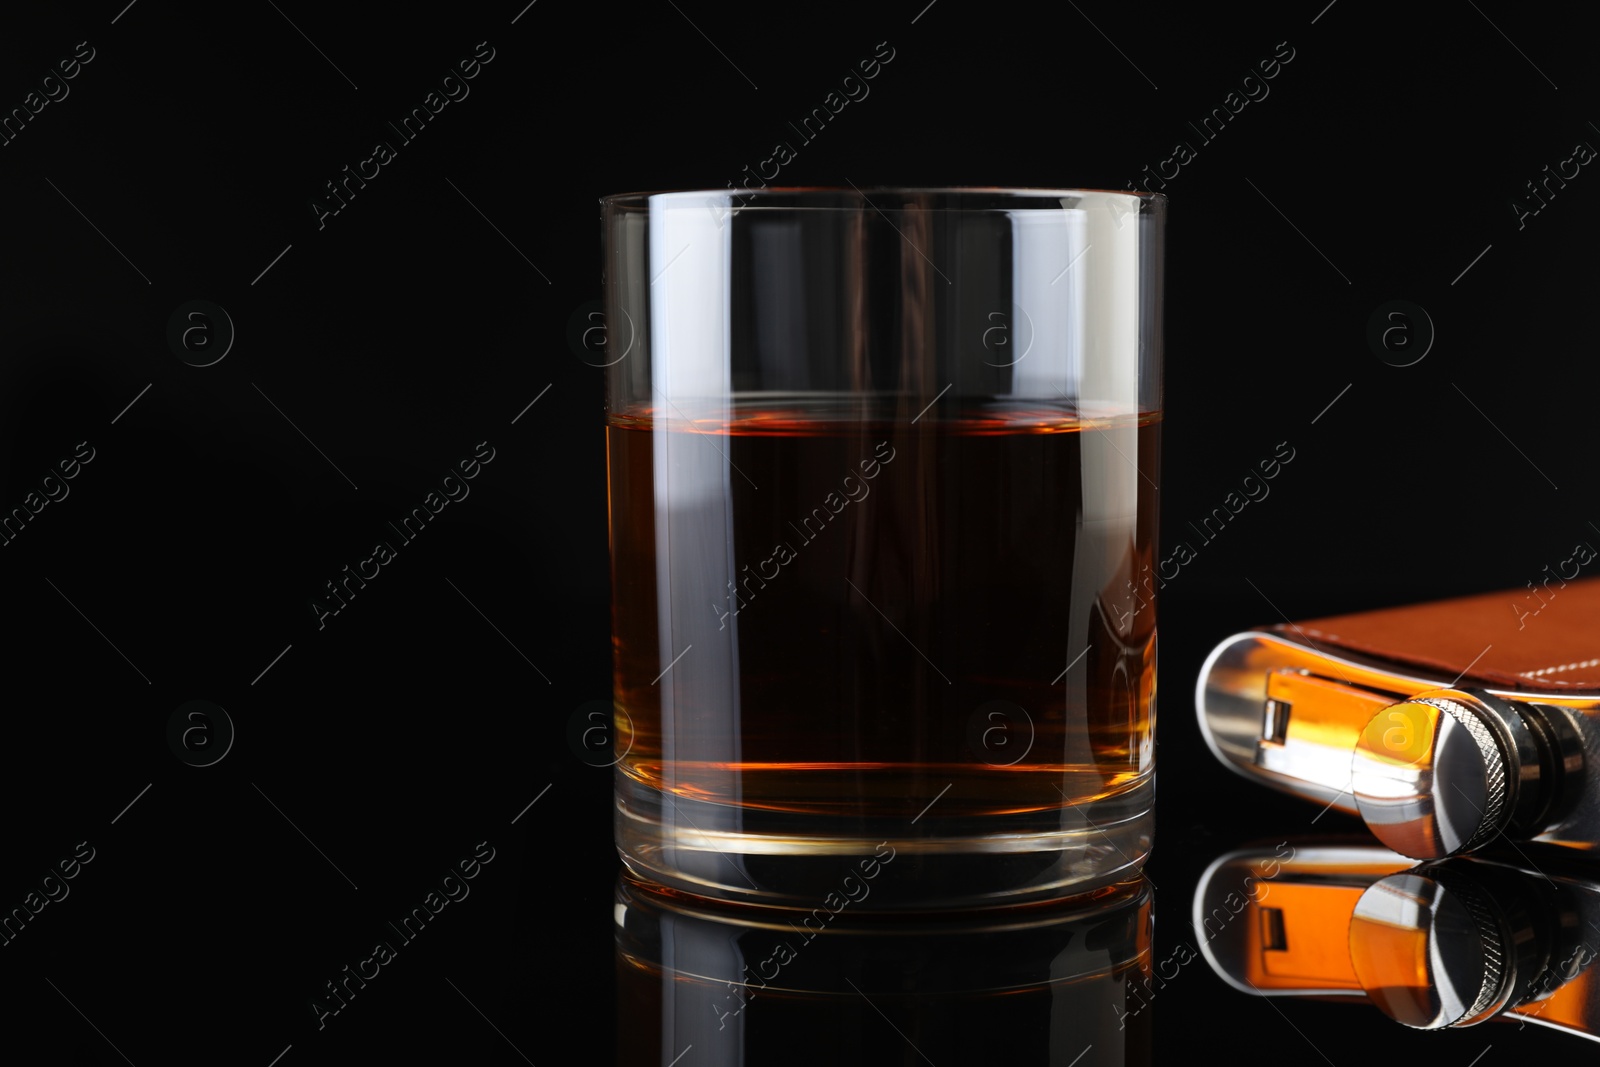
983, 197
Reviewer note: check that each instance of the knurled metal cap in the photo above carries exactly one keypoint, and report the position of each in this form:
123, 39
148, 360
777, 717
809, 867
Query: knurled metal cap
1432, 778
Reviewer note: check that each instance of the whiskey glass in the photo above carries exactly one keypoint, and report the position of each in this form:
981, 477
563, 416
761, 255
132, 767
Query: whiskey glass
882, 477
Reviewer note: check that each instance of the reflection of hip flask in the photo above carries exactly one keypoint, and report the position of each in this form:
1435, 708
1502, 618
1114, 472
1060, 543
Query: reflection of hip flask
1450, 943
1443, 725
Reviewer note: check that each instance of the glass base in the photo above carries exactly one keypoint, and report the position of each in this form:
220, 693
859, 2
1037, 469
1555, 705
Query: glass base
866, 864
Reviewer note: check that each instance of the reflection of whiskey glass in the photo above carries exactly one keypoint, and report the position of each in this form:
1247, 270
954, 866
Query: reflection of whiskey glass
1057, 983
882, 484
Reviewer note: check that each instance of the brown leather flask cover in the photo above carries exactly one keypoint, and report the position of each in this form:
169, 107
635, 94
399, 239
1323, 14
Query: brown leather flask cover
1539, 639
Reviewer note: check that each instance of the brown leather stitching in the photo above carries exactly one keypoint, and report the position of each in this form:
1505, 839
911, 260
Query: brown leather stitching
1562, 669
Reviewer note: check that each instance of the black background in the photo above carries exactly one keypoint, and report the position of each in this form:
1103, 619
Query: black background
376, 350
